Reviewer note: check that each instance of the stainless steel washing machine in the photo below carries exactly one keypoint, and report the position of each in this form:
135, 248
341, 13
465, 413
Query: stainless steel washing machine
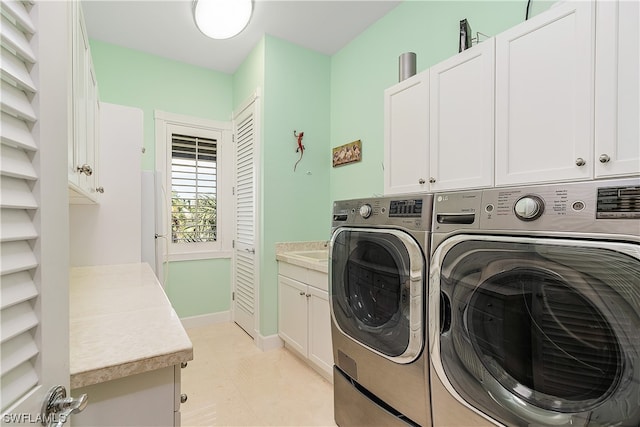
377, 283
534, 306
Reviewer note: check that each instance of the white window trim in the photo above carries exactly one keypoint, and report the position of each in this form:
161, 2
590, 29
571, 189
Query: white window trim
222, 248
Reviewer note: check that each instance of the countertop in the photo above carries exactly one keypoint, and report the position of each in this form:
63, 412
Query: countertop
121, 324
290, 252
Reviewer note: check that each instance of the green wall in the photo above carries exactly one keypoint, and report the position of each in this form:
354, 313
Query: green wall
137, 79
294, 203
199, 287
362, 70
249, 76
149, 82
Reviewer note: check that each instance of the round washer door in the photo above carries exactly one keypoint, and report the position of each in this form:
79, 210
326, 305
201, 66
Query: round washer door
539, 331
376, 285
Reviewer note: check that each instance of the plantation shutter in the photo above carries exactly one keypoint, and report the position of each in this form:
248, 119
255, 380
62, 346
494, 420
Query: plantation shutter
193, 188
245, 235
245, 183
18, 258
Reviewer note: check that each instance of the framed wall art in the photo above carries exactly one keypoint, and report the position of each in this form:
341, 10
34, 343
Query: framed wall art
347, 153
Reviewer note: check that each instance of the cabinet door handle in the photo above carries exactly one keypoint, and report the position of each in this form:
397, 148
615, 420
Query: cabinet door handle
100, 190
85, 169
432, 180
308, 295
421, 181
580, 161
302, 293
604, 158
183, 398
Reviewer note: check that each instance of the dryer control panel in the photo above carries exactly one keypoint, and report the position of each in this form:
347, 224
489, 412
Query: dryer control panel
410, 211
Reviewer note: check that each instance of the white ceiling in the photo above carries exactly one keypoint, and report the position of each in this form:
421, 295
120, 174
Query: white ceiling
166, 28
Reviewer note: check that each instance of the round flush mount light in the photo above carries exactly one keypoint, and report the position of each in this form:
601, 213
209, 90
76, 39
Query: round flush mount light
221, 19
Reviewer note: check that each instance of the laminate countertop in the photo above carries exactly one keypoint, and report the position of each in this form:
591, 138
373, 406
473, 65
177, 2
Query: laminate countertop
121, 324
311, 255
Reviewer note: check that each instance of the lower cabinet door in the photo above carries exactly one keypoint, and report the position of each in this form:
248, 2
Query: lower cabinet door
292, 313
320, 351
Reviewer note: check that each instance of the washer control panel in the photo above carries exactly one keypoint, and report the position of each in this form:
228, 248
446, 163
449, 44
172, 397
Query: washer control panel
604, 206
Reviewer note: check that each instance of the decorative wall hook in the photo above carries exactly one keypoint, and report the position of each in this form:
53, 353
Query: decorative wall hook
300, 148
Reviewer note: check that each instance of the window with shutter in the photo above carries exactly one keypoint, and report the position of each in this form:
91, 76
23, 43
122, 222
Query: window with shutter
197, 186
193, 189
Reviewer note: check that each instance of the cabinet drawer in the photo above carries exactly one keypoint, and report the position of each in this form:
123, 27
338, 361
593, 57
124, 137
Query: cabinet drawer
309, 277
318, 280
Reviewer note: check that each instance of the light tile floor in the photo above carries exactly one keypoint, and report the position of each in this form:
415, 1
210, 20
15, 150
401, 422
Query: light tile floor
231, 382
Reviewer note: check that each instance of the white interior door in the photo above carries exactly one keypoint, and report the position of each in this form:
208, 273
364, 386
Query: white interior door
34, 251
245, 256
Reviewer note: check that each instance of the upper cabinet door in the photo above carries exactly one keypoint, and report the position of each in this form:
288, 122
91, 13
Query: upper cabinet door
462, 119
617, 132
406, 135
544, 97
82, 150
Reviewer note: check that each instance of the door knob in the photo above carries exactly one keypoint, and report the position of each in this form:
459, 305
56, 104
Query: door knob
57, 407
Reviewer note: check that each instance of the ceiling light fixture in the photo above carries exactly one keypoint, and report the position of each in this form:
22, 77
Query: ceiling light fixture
222, 19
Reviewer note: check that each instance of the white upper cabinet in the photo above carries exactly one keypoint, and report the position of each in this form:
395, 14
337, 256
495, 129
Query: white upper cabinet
617, 114
462, 119
544, 97
83, 151
406, 135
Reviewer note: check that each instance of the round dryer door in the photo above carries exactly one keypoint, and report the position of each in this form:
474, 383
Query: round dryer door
376, 290
541, 332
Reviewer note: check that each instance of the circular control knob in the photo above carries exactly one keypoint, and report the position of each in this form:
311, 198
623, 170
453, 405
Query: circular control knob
528, 208
365, 211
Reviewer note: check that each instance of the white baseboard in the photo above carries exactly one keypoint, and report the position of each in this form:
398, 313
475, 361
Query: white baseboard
270, 342
206, 319
267, 343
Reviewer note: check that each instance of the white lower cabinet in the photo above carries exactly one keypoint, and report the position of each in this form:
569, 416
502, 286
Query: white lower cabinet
147, 399
304, 321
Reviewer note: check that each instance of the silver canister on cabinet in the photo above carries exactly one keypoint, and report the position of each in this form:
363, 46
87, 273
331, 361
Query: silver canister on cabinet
407, 66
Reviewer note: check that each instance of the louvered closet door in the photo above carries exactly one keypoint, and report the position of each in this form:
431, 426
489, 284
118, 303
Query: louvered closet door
245, 257
34, 213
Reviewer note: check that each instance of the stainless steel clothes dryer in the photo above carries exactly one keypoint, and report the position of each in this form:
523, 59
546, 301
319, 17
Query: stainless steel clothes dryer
535, 306
377, 285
